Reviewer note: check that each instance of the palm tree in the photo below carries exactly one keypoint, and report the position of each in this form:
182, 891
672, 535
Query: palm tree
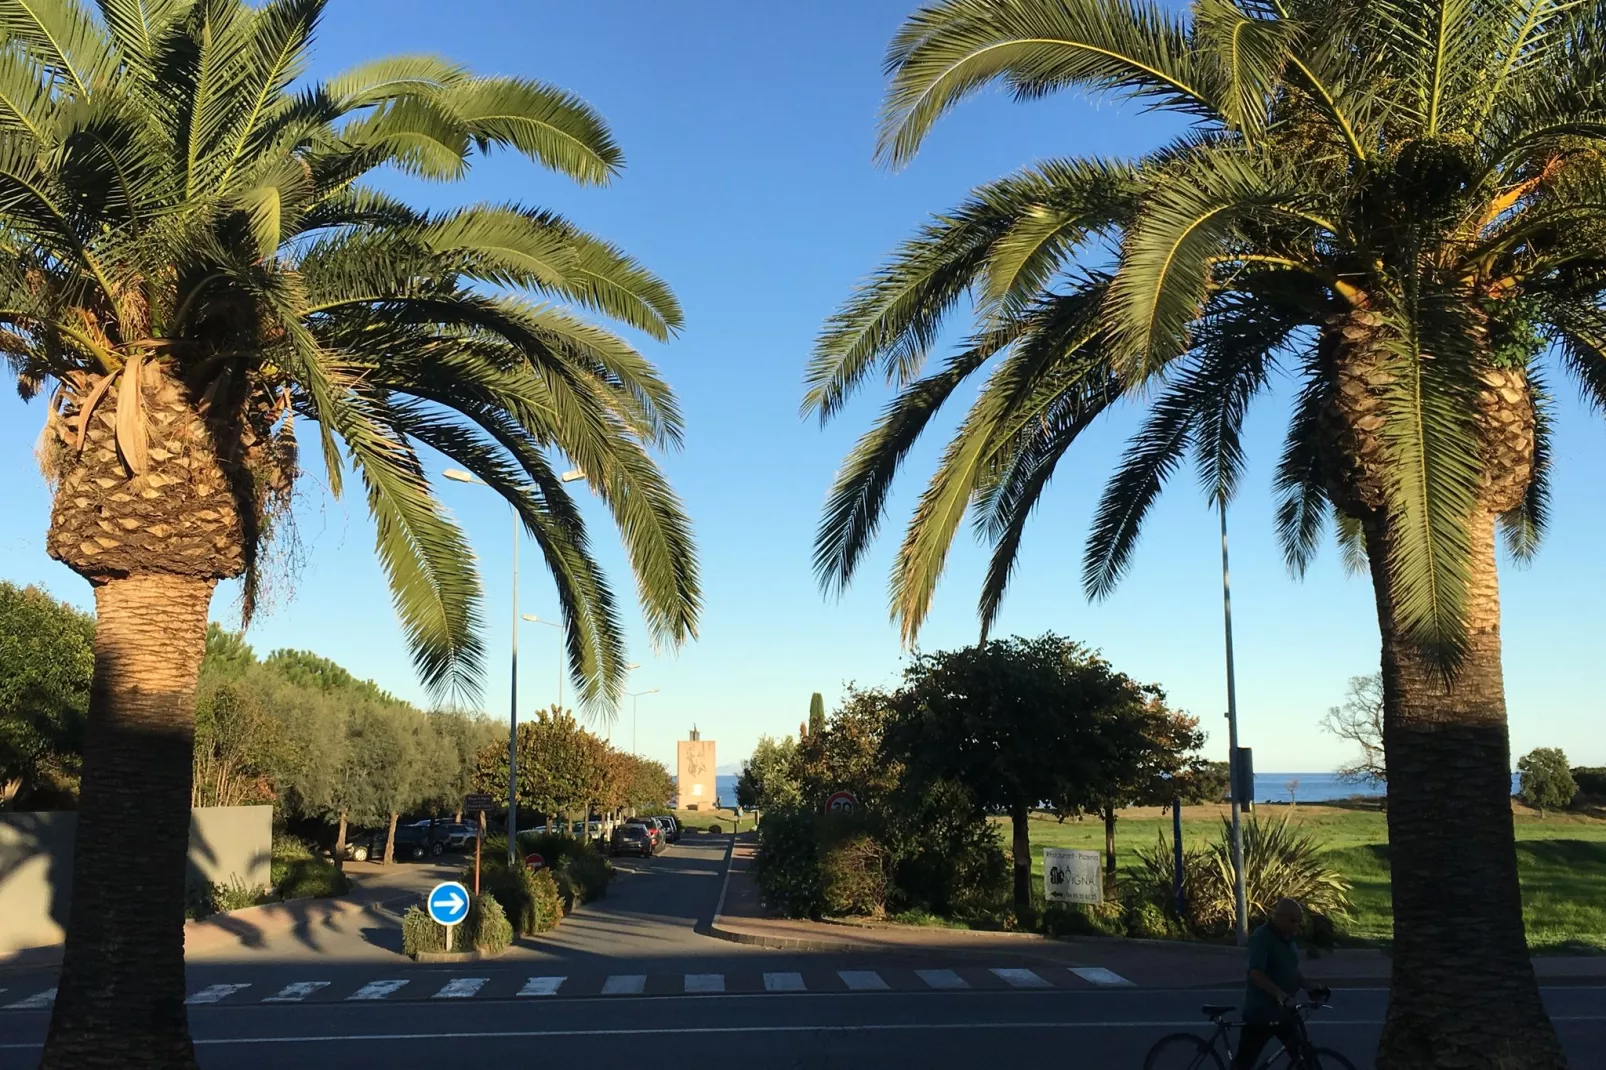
195, 275
1399, 203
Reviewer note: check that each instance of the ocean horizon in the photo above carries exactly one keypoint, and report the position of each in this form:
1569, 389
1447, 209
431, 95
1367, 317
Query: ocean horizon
1269, 787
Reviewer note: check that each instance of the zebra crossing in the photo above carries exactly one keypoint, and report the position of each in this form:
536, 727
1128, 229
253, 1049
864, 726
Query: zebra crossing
508, 985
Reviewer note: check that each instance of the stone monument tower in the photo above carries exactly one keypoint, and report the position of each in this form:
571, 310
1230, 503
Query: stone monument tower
695, 772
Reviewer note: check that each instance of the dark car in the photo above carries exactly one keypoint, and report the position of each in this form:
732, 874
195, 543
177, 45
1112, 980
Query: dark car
671, 828
654, 830
632, 839
412, 841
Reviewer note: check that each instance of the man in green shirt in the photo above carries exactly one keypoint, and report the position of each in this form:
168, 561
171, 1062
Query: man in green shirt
1274, 977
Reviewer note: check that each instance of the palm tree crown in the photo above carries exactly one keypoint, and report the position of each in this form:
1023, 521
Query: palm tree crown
177, 204
1400, 203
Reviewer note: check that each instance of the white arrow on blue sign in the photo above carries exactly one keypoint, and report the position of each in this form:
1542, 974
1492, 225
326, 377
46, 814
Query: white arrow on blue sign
448, 903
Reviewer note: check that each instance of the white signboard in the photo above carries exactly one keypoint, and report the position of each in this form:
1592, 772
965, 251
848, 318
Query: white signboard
1072, 876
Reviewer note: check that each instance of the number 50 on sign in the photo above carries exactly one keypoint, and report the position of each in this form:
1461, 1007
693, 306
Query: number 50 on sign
1072, 876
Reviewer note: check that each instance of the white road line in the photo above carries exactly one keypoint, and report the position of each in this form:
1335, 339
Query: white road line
296, 991
625, 984
1022, 978
376, 990
705, 982
862, 980
213, 993
784, 982
461, 987
542, 986
942, 979
34, 1002
1099, 975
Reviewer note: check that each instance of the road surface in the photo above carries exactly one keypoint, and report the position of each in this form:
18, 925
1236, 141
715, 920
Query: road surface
630, 979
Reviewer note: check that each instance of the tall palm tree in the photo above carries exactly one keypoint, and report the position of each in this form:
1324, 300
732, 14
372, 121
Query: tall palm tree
1401, 203
195, 275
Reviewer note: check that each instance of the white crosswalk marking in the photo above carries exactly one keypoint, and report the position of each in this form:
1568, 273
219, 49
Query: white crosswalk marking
35, 1001
942, 978
624, 984
862, 980
213, 993
461, 987
784, 982
542, 986
376, 990
705, 982
1022, 978
1099, 975
296, 991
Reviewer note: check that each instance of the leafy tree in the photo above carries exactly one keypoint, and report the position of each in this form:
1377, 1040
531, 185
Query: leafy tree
1202, 783
769, 778
199, 271
648, 784
228, 655
562, 768
1547, 783
816, 713
1018, 722
46, 661
1360, 720
239, 747
1393, 205
847, 755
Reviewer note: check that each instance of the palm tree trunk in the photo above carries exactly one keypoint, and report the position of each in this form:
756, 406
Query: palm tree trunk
1019, 816
120, 998
1463, 989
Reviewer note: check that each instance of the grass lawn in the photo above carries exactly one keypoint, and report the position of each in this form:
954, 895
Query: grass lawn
701, 819
1562, 859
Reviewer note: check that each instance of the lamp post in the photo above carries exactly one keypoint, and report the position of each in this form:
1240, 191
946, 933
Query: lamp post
459, 476
1240, 913
533, 619
635, 699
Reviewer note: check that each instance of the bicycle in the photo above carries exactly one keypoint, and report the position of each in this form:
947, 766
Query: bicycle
1190, 1051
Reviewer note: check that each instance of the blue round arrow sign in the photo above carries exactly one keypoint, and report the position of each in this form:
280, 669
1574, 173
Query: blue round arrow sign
448, 902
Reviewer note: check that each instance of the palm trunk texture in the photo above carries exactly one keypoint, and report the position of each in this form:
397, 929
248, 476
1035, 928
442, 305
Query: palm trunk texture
120, 998
152, 521
1464, 993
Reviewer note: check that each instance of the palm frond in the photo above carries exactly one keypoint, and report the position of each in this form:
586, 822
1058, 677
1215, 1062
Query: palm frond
1524, 526
949, 50
549, 125
61, 36
1301, 481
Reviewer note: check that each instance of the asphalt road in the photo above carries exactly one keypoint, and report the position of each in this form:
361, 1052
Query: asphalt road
630, 979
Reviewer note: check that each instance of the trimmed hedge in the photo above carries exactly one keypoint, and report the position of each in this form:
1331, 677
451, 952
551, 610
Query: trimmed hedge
299, 873
531, 901
485, 929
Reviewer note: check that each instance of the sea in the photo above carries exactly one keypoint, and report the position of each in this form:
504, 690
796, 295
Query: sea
1269, 787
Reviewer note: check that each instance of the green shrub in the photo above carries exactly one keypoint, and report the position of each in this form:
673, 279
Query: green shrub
486, 928
583, 877
420, 932
204, 898
853, 872
1591, 781
1280, 860
531, 901
787, 867
948, 860
299, 872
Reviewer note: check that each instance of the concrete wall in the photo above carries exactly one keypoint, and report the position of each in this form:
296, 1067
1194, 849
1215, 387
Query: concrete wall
226, 843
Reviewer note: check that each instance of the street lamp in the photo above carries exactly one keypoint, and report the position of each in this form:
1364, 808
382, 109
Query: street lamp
1240, 910
457, 475
635, 699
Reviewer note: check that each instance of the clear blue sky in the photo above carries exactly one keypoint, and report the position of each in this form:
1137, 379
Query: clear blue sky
749, 185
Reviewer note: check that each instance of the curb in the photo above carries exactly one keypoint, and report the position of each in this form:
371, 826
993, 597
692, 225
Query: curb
459, 956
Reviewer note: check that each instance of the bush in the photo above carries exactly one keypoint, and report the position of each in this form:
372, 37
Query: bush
531, 901
853, 872
947, 860
1591, 781
787, 867
421, 933
486, 928
204, 898
1279, 860
586, 873
299, 873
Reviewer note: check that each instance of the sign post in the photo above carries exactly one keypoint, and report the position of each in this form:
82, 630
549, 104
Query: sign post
447, 904
477, 803
1072, 876
1176, 857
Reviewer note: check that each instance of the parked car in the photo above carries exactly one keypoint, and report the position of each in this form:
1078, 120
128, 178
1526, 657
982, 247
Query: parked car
654, 830
412, 841
671, 827
629, 839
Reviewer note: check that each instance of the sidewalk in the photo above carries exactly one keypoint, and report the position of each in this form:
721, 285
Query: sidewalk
742, 918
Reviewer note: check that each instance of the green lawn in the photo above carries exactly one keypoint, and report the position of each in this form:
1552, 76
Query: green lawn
1562, 859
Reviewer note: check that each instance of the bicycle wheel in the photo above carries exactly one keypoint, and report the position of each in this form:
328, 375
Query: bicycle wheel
1326, 1059
1183, 1051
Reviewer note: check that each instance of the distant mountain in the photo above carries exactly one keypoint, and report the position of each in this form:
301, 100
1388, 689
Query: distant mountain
732, 769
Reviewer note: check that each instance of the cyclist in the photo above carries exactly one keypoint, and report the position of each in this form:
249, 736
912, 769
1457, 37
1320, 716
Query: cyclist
1274, 978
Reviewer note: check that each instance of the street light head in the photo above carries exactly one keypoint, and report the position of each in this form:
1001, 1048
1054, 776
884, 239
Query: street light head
533, 619
633, 665
654, 691
573, 474
460, 476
